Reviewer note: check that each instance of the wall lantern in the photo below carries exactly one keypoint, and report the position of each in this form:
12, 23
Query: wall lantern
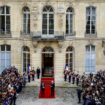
103, 45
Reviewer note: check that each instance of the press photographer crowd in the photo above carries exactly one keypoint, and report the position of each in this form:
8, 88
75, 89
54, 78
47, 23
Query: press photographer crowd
90, 88
12, 83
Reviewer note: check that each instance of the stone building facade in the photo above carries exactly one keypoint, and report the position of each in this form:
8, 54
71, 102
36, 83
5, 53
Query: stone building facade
51, 34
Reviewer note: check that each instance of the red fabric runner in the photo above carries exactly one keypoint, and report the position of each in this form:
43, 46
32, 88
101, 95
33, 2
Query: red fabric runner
47, 92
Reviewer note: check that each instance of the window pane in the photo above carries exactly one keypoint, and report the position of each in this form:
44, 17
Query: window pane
7, 10
2, 23
51, 16
2, 47
44, 26
44, 31
51, 31
45, 16
91, 19
8, 48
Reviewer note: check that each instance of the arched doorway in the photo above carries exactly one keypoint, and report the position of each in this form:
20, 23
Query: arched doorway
47, 62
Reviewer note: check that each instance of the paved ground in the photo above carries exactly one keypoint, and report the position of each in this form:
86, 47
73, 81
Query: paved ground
64, 96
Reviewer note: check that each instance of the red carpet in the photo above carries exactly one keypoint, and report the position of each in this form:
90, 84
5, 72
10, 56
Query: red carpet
47, 92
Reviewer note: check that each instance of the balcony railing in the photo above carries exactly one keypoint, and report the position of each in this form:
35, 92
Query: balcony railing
27, 34
91, 35
70, 35
5, 33
52, 37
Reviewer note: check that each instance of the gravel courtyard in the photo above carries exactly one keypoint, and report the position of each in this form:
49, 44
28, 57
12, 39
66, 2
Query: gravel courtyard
64, 96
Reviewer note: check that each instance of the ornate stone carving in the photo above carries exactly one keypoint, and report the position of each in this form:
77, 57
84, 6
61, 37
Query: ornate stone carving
60, 45
5, 42
47, 2
35, 44
60, 20
90, 41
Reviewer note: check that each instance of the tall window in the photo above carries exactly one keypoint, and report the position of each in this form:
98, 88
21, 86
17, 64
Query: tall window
69, 21
26, 20
90, 59
48, 21
26, 58
5, 20
70, 57
5, 57
90, 20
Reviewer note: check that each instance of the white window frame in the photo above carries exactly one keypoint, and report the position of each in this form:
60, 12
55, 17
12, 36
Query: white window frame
70, 52
25, 21
92, 14
90, 53
25, 52
69, 16
5, 58
5, 15
48, 18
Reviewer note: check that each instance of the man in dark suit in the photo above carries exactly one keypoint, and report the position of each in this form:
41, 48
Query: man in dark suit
69, 74
52, 88
38, 72
79, 92
65, 75
43, 88
28, 76
73, 79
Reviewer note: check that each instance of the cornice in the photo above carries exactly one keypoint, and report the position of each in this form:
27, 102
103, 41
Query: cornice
84, 1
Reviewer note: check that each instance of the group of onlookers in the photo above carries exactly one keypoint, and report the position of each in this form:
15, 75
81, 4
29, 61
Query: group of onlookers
93, 87
11, 83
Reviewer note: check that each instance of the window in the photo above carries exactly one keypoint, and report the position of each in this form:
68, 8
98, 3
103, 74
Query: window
69, 21
48, 21
5, 20
26, 58
5, 57
70, 57
90, 20
90, 59
26, 20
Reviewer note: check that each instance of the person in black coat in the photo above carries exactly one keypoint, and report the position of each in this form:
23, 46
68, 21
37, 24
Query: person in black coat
77, 80
73, 79
52, 88
69, 74
43, 88
14, 96
79, 92
65, 75
38, 72
28, 76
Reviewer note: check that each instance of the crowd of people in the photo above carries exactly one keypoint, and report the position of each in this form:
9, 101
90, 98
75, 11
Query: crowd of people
93, 87
11, 83
90, 87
